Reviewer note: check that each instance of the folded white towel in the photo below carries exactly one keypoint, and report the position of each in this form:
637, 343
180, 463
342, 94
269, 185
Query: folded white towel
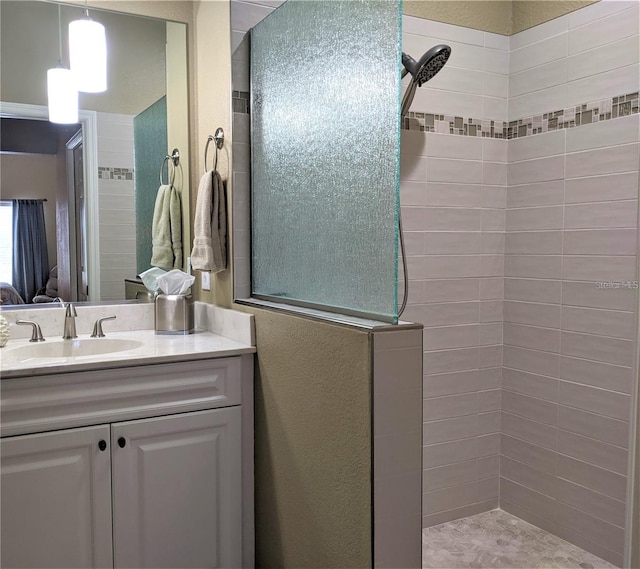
209, 251
166, 229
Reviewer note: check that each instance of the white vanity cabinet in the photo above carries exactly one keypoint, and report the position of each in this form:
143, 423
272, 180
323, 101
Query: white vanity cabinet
170, 485
56, 500
177, 491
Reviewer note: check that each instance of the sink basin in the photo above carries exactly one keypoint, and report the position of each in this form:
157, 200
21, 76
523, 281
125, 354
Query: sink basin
74, 348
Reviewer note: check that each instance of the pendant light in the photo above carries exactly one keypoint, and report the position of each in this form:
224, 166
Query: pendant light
88, 54
62, 94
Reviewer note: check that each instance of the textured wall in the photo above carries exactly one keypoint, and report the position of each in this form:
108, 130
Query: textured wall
498, 16
529, 13
313, 444
213, 103
489, 15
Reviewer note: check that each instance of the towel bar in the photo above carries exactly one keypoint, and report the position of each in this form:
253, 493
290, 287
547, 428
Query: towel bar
218, 137
175, 160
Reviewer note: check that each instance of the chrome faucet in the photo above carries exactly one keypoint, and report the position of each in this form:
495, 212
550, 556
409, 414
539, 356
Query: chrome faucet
36, 333
97, 327
70, 323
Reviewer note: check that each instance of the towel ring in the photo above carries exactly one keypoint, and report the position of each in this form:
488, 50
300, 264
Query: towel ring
218, 137
175, 160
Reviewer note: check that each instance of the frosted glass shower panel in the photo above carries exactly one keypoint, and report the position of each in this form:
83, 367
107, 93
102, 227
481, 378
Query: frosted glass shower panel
325, 85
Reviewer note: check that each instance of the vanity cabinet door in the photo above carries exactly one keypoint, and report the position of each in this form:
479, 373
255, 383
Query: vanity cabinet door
55, 494
177, 490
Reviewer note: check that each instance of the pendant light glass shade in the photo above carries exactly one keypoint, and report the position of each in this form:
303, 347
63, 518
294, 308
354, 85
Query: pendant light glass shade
88, 55
62, 95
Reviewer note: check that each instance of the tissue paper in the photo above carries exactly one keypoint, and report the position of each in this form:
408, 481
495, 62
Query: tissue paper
150, 278
175, 282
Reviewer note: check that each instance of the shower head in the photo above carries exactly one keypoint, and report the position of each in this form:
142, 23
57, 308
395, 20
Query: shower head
428, 65
422, 70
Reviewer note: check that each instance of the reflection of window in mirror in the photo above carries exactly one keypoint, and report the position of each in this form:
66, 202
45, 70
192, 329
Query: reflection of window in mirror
6, 241
116, 167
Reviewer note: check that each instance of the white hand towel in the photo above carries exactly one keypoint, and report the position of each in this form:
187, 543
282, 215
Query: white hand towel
209, 251
166, 229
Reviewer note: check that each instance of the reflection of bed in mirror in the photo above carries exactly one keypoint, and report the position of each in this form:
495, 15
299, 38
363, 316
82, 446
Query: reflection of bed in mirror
101, 178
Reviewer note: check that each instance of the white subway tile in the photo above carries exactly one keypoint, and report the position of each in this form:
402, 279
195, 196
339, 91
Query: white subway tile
413, 193
598, 10
453, 195
451, 242
530, 290
538, 78
456, 79
538, 33
451, 32
495, 150
604, 85
539, 53
622, 130
536, 194
610, 160
600, 242
596, 321
533, 266
459, 171
495, 85
447, 102
452, 219
552, 98
496, 41
538, 170
458, 147
539, 146
601, 215
603, 31
602, 188
463, 55
494, 197
494, 173
413, 168
599, 269
496, 61
493, 220
601, 59
452, 266
495, 109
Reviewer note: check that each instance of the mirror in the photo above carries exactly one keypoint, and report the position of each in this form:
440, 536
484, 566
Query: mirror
101, 177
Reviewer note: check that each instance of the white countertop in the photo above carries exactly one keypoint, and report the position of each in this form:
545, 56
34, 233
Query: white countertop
149, 348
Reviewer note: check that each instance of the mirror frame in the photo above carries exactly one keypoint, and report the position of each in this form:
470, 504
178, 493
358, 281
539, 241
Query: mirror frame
88, 121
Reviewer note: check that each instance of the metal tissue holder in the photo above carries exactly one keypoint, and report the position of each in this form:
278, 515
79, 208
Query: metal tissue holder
174, 314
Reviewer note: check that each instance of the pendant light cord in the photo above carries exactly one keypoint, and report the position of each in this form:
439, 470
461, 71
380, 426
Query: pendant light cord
59, 37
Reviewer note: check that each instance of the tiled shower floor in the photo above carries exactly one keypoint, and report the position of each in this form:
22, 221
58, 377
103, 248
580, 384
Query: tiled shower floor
497, 539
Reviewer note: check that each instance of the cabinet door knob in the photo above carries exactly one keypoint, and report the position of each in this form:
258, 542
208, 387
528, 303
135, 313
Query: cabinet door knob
121, 442
102, 445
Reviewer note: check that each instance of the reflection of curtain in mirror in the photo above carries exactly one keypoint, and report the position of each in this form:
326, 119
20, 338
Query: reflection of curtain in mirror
30, 258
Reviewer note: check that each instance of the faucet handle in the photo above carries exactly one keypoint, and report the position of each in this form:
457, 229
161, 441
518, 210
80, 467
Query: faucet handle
97, 327
70, 310
36, 333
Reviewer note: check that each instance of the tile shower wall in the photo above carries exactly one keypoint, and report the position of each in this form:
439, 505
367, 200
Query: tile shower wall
570, 265
453, 199
564, 259
116, 204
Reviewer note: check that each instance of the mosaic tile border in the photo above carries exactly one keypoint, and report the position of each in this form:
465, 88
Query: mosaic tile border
108, 173
240, 102
570, 117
